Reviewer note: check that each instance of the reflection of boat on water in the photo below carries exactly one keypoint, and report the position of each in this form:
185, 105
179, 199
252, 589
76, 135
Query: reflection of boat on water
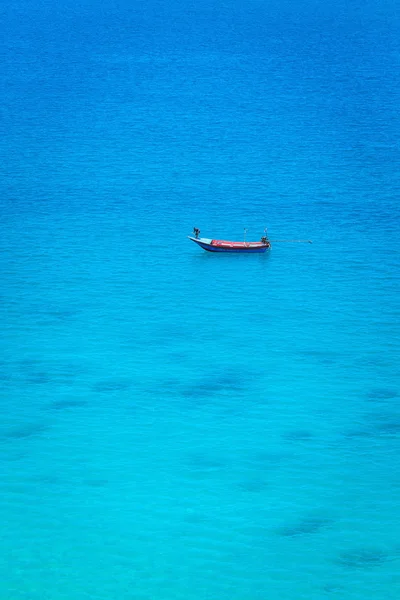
228, 246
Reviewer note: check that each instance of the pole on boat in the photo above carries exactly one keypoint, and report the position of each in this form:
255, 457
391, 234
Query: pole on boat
294, 241
245, 231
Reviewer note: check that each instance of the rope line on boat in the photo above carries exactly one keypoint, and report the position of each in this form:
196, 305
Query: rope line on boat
294, 241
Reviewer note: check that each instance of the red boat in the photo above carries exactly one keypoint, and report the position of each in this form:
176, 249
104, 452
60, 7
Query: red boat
228, 246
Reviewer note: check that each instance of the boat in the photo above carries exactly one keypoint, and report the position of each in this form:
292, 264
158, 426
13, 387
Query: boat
227, 246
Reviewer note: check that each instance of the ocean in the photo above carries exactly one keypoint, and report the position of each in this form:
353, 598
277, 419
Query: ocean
176, 424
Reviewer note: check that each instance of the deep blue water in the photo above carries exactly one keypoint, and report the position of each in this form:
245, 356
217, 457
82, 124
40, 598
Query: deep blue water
177, 424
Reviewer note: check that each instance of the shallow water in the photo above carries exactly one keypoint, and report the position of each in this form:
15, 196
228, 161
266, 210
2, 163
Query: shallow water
177, 424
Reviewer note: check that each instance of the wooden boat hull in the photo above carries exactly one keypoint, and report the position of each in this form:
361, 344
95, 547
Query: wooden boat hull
227, 246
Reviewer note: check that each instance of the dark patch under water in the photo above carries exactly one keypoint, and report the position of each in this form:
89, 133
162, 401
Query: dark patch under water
169, 386
38, 378
332, 588
391, 429
224, 381
48, 479
36, 371
97, 483
377, 426
359, 433
305, 526
25, 431
380, 394
324, 357
363, 558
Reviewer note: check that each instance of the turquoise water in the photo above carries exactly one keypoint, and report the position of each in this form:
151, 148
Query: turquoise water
177, 424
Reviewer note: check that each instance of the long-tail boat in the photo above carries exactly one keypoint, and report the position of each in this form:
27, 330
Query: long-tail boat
228, 246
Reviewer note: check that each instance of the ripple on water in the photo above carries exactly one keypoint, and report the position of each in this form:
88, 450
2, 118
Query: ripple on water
66, 404
112, 385
269, 459
299, 435
204, 464
5, 372
253, 485
97, 482
333, 588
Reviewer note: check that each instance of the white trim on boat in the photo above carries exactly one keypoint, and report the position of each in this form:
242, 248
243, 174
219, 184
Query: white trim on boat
203, 240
